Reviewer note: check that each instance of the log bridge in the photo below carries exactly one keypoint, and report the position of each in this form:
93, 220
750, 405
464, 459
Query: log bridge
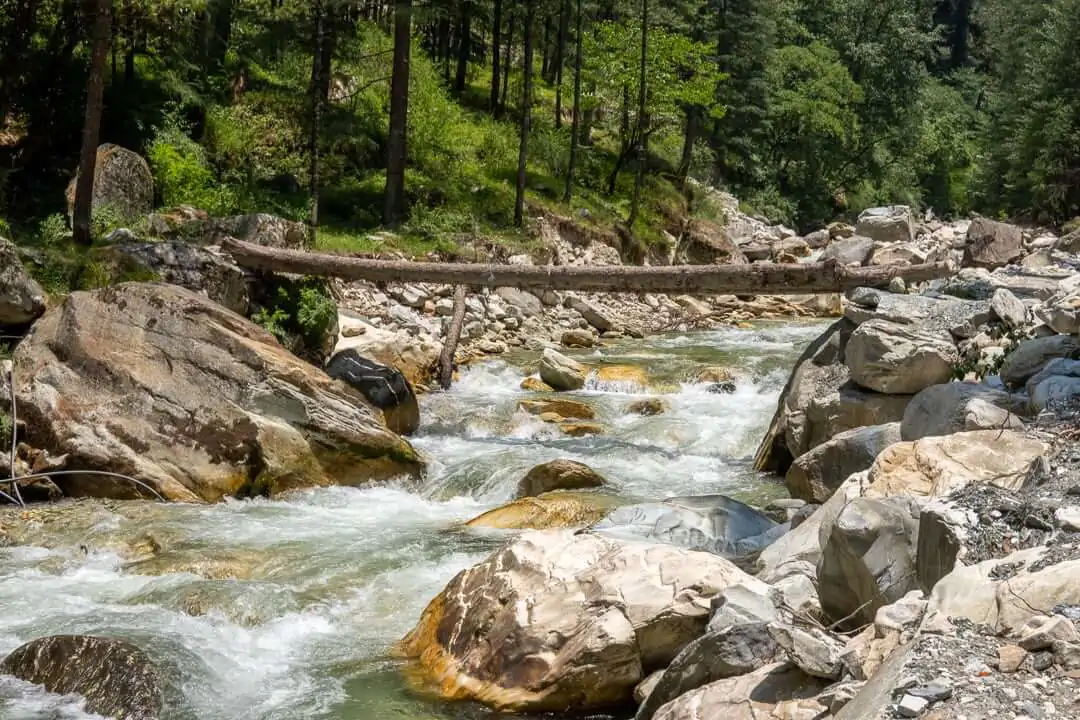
756, 279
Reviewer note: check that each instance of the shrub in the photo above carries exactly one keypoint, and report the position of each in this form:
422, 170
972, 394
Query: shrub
183, 174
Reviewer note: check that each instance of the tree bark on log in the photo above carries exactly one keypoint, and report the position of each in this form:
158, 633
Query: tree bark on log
453, 334
756, 279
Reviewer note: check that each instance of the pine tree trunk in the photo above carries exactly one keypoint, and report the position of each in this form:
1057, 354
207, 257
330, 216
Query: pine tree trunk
560, 54
643, 118
129, 51
526, 115
689, 138
95, 95
545, 56
575, 127
394, 209
506, 59
319, 13
463, 46
221, 20
493, 102
444, 46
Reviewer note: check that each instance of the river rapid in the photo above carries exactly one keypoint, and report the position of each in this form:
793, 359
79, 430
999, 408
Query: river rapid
288, 609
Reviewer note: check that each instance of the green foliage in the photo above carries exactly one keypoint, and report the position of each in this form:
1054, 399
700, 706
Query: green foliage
183, 175
301, 314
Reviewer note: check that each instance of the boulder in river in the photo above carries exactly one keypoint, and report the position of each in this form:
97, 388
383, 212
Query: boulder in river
22, 301
549, 510
415, 357
384, 387
535, 384
900, 359
578, 338
560, 372
559, 475
117, 679
163, 385
713, 523
556, 621
559, 406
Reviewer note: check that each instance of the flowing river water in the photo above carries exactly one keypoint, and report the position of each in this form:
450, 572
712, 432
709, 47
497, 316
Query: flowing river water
288, 609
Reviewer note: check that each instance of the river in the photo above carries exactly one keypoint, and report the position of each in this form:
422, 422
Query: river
286, 610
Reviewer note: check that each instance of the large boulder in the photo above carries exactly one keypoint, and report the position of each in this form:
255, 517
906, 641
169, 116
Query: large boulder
1030, 356
1010, 309
887, 224
590, 312
384, 387
814, 477
1055, 386
1061, 313
867, 559
992, 244
560, 372
523, 300
900, 359
556, 621
22, 301
414, 357
716, 655
161, 384
957, 407
200, 269
705, 243
779, 690
849, 251
713, 523
123, 184
116, 678
558, 475
939, 466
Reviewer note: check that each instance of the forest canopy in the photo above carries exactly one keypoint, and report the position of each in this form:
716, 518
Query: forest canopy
425, 116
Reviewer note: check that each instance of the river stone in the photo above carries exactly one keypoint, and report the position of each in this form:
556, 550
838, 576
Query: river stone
815, 651
558, 475
549, 510
22, 301
1061, 313
578, 338
851, 251
525, 301
706, 243
384, 387
1009, 308
159, 383
713, 523
123, 184
886, 224
867, 559
779, 690
1031, 355
1055, 386
899, 359
562, 408
555, 621
117, 679
560, 372
590, 312
957, 407
938, 466
992, 244
814, 477
731, 652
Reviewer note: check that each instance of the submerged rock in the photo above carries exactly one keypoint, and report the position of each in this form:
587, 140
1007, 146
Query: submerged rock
117, 679
384, 387
647, 407
548, 510
713, 523
559, 406
161, 384
559, 475
556, 621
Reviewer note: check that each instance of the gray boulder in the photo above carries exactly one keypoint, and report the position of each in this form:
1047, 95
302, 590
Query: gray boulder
1030, 356
529, 304
590, 312
992, 244
1061, 312
1069, 243
1055, 386
1009, 308
117, 679
560, 372
957, 407
713, 523
849, 251
123, 184
887, 224
867, 559
22, 300
900, 359
814, 477
730, 652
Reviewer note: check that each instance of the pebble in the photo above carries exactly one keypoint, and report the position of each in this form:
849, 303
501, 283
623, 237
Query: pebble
911, 706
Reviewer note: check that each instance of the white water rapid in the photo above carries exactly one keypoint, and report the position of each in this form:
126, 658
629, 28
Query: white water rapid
287, 609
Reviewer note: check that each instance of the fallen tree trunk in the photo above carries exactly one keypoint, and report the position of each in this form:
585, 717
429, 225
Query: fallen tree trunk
453, 334
757, 279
